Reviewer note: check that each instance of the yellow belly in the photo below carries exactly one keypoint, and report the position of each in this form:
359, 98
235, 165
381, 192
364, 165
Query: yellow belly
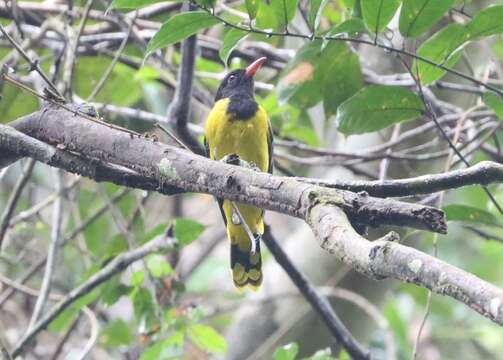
247, 139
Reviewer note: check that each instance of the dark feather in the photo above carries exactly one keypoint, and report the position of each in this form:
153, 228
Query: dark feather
219, 201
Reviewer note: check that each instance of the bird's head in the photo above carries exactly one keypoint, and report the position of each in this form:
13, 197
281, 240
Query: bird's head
239, 81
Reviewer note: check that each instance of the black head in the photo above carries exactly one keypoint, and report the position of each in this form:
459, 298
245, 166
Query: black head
239, 81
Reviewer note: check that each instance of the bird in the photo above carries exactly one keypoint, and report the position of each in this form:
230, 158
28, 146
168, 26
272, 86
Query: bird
238, 126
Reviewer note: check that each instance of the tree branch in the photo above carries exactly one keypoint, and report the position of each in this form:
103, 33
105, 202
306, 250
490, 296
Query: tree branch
13, 199
319, 303
482, 173
179, 110
4, 353
115, 266
382, 259
172, 168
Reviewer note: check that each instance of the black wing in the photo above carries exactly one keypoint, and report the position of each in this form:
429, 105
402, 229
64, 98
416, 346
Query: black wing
220, 201
270, 146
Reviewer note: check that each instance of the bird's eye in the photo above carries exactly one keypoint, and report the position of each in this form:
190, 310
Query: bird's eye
232, 78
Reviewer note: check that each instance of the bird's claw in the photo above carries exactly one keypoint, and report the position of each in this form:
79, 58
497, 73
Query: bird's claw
231, 159
88, 109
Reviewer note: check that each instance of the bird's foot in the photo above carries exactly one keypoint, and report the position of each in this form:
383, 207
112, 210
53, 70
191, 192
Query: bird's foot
234, 159
231, 159
254, 167
88, 109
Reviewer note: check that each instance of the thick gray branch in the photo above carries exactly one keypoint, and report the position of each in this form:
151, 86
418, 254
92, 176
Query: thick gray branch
173, 168
385, 258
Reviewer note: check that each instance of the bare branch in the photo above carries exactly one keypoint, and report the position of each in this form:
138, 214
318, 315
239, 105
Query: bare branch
319, 303
161, 164
4, 353
13, 199
482, 173
179, 110
115, 266
382, 259
33, 63
54, 246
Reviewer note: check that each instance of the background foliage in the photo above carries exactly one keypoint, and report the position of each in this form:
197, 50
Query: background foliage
341, 80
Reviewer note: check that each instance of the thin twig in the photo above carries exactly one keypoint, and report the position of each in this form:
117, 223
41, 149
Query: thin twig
115, 266
65, 106
179, 110
432, 115
93, 337
52, 253
33, 64
319, 304
353, 40
71, 53
13, 199
57, 297
110, 67
4, 353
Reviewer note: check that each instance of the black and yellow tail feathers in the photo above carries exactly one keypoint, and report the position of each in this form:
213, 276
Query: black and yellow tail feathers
246, 266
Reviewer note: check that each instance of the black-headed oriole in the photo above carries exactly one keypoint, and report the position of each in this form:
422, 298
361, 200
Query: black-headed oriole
238, 125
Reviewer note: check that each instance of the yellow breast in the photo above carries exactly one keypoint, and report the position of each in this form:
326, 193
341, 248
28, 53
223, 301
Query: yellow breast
246, 138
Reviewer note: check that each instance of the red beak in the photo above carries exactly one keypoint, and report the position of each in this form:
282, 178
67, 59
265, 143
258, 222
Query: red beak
252, 69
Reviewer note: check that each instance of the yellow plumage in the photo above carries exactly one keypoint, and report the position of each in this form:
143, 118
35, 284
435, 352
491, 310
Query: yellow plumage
249, 139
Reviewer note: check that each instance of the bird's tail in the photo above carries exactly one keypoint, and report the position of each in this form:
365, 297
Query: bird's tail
246, 266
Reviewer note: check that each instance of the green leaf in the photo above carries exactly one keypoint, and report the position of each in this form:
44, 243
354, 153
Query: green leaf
495, 102
146, 74
315, 9
179, 27
113, 290
63, 321
304, 134
206, 3
132, 4
286, 352
398, 324
266, 17
120, 89
485, 23
231, 40
158, 266
350, 26
187, 230
15, 103
323, 354
170, 348
155, 232
251, 8
137, 278
466, 213
378, 13
115, 334
115, 246
497, 48
297, 84
418, 16
143, 304
284, 10
377, 107
340, 74
207, 338
445, 47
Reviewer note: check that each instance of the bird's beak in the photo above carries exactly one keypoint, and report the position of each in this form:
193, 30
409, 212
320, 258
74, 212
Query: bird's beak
252, 69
